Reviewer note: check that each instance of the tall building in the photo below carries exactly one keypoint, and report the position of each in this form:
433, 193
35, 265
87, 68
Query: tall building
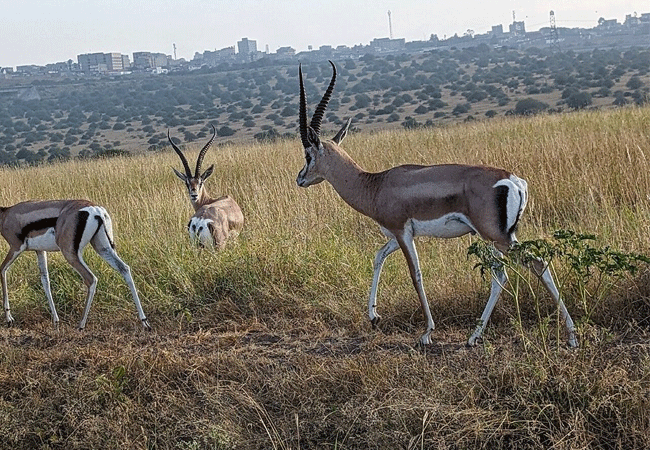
246, 46
103, 62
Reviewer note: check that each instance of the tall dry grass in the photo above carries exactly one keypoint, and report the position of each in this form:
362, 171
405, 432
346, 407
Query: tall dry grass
267, 345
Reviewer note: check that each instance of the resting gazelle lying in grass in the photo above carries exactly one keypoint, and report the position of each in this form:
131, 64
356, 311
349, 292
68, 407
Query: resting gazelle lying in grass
216, 219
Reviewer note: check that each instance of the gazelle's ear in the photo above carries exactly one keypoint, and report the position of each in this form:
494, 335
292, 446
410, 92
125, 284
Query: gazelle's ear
343, 132
207, 172
313, 138
179, 175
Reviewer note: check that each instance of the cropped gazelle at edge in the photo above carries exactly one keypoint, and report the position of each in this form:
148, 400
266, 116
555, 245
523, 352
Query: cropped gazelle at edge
444, 201
216, 219
66, 226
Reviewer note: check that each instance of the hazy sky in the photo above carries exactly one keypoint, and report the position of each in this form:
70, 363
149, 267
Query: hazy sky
46, 31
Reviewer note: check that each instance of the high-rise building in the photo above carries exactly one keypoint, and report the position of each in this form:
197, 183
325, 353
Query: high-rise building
246, 46
103, 62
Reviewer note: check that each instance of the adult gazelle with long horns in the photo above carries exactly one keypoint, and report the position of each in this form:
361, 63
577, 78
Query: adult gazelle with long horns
444, 201
216, 219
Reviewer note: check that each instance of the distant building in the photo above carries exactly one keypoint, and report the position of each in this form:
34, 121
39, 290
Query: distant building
285, 51
383, 45
103, 62
246, 46
517, 28
148, 60
497, 30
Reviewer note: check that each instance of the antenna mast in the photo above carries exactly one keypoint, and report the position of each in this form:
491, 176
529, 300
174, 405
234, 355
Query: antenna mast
174, 52
554, 40
390, 26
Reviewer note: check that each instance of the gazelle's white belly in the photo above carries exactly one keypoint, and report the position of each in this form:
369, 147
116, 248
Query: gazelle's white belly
448, 226
43, 242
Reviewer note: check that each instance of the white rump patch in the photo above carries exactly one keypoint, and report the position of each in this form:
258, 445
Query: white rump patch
200, 232
517, 197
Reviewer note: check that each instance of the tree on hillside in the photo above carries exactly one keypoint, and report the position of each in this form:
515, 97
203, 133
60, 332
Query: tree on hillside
530, 106
579, 100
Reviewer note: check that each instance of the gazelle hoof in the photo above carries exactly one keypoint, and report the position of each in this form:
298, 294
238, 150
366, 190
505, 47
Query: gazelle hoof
374, 321
145, 324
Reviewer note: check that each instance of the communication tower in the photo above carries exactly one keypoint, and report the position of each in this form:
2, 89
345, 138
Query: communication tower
174, 52
554, 40
390, 26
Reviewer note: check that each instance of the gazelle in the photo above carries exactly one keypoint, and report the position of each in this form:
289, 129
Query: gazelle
444, 201
66, 226
216, 219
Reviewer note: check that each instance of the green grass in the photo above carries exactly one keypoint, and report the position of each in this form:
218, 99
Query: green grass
267, 344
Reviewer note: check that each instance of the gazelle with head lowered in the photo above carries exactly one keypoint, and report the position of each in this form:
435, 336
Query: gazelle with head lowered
66, 226
216, 219
444, 201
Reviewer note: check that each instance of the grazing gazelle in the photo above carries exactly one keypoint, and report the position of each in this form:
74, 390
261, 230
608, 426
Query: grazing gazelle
66, 226
216, 219
443, 201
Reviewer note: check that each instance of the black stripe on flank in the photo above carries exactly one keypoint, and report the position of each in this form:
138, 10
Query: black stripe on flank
502, 207
37, 225
100, 222
82, 217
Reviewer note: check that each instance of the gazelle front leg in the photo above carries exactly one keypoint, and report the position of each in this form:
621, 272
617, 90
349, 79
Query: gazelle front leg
499, 279
381, 256
45, 280
9, 259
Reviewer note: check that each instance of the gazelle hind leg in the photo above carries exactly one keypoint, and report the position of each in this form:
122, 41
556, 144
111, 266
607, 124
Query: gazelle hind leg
103, 247
380, 257
90, 280
541, 269
45, 281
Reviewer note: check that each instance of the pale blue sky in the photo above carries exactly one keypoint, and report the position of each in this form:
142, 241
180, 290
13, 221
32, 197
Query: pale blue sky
44, 31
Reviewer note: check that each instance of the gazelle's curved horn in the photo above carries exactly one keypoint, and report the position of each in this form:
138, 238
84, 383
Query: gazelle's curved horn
302, 122
317, 118
199, 160
188, 172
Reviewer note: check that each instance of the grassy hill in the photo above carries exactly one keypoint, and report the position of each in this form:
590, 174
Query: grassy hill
90, 116
267, 344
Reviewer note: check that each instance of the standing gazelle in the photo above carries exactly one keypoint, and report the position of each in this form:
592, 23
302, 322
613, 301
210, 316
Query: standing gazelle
66, 226
444, 201
215, 219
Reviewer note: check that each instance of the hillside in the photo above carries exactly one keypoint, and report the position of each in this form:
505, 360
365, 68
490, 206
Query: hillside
91, 116
267, 344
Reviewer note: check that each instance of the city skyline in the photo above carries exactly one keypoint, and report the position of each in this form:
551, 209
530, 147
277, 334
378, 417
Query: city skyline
45, 32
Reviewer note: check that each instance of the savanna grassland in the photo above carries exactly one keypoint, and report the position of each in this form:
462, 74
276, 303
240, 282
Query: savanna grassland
267, 344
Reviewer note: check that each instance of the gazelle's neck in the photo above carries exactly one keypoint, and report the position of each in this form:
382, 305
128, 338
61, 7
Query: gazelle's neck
349, 180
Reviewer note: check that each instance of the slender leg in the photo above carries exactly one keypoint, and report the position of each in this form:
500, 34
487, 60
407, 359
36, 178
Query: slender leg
8, 261
111, 257
381, 256
499, 279
45, 280
104, 247
410, 253
540, 268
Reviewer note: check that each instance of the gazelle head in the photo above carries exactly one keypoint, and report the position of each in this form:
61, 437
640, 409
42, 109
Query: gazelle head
312, 172
194, 182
